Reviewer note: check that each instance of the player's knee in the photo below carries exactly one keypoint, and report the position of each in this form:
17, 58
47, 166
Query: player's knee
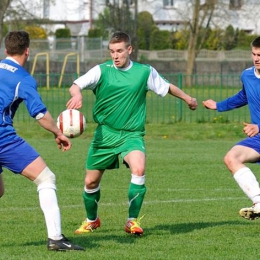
227, 159
46, 180
91, 183
138, 169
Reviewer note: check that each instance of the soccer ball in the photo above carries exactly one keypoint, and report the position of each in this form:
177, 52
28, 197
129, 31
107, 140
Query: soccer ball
71, 122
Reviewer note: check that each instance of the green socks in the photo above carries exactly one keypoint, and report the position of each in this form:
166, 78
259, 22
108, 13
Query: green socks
135, 196
91, 204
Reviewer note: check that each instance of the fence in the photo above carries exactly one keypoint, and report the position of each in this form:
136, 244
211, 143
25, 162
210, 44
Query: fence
167, 110
96, 49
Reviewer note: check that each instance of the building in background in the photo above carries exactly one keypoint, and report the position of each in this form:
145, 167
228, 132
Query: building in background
79, 15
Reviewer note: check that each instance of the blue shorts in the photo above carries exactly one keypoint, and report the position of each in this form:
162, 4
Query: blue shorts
251, 142
17, 155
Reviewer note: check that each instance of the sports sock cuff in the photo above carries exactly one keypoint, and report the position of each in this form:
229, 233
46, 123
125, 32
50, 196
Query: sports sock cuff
91, 190
241, 172
138, 180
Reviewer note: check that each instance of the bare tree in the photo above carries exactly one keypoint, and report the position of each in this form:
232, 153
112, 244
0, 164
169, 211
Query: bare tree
199, 26
4, 4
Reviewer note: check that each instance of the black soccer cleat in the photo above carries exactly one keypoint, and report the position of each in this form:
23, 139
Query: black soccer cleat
62, 245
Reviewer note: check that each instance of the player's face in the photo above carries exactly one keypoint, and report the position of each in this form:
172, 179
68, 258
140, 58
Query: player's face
120, 54
256, 58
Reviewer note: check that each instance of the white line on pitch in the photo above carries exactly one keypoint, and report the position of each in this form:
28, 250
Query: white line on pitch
125, 203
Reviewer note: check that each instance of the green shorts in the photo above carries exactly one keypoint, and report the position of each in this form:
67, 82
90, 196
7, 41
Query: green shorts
109, 143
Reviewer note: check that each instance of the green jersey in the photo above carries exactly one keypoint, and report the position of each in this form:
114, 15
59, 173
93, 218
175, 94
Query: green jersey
121, 93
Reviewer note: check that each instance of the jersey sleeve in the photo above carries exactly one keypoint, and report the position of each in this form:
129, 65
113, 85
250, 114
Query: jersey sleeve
157, 83
90, 79
27, 91
236, 101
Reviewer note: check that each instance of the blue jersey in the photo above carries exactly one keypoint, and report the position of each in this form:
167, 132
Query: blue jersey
16, 86
248, 95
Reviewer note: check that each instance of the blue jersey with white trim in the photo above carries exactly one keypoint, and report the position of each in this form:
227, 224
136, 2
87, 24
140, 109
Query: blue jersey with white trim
16, 86
248, 95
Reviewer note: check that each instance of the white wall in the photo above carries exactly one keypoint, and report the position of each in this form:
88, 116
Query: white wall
77, 10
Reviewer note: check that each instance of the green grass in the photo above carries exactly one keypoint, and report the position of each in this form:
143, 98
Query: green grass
190, 209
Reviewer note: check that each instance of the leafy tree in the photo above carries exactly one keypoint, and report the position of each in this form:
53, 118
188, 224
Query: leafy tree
146, 26
161, 40
94, 33
115, 18
36, 32
63, 33
118, 18
60, 34
244, 40
180, 40
213, 42
230, 38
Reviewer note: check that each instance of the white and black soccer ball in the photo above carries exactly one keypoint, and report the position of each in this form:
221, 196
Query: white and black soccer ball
71, 122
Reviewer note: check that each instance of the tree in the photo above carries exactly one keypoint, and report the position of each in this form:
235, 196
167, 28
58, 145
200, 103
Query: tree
230, 38
4, 4
199, 26
118, 17
146, 25
115, 17
161, 40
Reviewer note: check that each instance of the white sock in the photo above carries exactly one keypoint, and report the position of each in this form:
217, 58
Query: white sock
248, 183
138, 180
50, 208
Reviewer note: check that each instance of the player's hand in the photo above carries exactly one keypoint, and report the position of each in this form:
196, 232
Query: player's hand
193, 104
250, 129
63, 142
75, 102
210, 104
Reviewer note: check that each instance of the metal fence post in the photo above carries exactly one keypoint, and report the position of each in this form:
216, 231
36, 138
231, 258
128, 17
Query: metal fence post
179, 103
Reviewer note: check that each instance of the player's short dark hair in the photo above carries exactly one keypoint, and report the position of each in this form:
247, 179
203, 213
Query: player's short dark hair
16, 42
256, 42
119, 36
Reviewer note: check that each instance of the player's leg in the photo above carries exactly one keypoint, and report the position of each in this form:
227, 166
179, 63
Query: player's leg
2, 187
91, 197
44, 178
137, 189
235, 161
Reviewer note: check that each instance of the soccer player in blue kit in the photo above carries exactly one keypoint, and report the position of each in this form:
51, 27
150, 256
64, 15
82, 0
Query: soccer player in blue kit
120, 86
247, 150
16, 86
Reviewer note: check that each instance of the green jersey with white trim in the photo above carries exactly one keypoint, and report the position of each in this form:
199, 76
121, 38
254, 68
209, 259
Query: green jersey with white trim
121, 97
121, 93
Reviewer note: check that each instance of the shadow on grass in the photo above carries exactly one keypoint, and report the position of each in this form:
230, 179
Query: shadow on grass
189, 227
91, 241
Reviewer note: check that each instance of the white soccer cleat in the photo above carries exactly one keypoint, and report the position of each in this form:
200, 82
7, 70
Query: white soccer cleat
250, 213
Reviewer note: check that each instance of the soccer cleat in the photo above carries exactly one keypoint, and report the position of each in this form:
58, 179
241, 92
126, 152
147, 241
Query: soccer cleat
62, 245
87, 226
250, 213
133, 227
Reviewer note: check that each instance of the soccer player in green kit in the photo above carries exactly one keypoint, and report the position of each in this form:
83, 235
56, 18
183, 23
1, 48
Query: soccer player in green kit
120, 86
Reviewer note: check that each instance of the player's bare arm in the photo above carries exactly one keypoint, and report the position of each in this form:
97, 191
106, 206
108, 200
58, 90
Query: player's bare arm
210, 104
175, 91
76, 97
251, 129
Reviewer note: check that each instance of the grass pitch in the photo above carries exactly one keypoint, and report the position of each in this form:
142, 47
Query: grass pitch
190, 209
